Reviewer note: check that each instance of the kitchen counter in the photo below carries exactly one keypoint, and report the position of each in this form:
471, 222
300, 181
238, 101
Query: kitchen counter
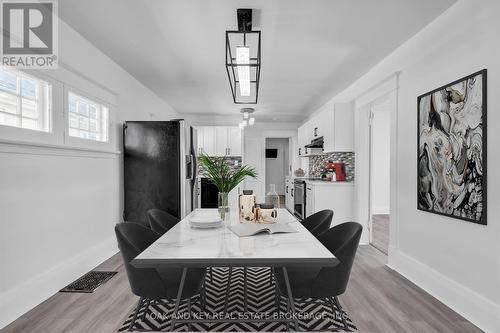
325, 183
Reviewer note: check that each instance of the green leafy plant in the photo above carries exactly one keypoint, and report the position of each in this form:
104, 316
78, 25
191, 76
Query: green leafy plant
220, 173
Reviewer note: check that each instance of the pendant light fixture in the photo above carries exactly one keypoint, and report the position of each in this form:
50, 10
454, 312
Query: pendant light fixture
248, 120
243, 59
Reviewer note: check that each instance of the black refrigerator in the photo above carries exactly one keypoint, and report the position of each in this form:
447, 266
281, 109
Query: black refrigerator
159, 168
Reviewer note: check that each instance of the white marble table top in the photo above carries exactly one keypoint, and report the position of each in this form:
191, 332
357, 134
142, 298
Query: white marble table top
185, 246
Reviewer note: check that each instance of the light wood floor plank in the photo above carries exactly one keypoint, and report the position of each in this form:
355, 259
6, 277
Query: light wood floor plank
377, 299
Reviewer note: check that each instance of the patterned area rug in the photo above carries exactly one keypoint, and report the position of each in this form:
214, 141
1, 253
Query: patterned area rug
312, 315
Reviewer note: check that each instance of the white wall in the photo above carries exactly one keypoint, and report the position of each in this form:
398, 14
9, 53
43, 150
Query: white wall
458, 262
58, 207
381, 157
277, 168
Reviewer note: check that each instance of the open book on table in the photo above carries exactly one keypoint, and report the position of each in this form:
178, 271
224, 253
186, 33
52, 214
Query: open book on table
250, 229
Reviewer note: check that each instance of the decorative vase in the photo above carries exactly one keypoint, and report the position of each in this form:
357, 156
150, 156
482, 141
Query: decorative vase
272, 198
223, 205
247, 206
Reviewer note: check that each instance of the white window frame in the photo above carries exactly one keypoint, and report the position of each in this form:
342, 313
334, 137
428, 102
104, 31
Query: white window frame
81, 143
11, 134
64, 79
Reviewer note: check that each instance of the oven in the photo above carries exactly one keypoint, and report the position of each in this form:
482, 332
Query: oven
299, 198
208, 194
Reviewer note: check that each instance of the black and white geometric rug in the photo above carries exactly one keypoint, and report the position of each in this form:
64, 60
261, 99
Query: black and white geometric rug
312, 315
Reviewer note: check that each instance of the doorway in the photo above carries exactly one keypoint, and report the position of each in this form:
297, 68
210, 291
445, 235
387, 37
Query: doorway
277, 164
380, 159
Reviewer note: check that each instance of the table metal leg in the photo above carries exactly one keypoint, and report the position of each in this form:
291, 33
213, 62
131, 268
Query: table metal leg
245, 295
277, 298
178, 300
290, 297
228, 286
337, 303
146, 309
139, 304
190, 326
287, 311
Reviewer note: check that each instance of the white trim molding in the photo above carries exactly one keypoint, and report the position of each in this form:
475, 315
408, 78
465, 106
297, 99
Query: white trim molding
474, 307
25, 296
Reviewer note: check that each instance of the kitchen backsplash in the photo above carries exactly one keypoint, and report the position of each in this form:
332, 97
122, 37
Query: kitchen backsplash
234, 161
316, 163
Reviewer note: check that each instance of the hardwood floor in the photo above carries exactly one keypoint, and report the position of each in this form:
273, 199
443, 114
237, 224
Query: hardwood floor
378, 300
380, 232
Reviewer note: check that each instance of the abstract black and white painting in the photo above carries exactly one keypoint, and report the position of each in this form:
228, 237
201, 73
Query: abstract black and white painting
452, 149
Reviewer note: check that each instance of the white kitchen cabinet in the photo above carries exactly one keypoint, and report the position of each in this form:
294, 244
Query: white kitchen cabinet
235, 142
338, 197
221, 144
288, 194
219, 140
206, 143
301, 139
310, 207
200, 139
327, 129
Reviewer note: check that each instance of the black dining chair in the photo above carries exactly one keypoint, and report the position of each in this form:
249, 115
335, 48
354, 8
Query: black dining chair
325, 282
154, 284
318, 222
161, 221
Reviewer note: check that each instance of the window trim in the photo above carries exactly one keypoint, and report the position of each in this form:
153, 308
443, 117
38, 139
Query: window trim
11, 133
88, 143
63, 80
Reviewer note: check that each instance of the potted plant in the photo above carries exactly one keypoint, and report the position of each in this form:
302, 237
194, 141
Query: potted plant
224, 177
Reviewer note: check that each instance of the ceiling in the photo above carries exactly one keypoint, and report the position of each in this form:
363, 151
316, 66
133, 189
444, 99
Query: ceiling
311, 49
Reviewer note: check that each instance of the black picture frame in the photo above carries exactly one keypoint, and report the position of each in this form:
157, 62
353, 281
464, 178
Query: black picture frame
484, 123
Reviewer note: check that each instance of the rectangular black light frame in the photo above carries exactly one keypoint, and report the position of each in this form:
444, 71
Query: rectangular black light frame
231, 65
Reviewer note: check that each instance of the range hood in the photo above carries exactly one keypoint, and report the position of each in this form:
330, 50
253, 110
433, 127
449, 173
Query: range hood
316, 143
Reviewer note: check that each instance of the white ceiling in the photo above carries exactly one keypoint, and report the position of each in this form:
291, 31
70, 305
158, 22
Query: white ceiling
311, 49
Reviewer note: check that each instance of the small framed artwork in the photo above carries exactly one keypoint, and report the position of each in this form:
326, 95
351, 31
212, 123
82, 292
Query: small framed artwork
451, 148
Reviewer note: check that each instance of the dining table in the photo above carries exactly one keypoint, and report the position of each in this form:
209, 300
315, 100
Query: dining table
186, 247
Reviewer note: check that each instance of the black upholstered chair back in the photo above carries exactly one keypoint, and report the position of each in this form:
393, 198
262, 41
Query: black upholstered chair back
161, 221
132, 239
318, 222
342, 240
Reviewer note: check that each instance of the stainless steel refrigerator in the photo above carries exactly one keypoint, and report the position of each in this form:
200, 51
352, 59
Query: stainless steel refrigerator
159, 168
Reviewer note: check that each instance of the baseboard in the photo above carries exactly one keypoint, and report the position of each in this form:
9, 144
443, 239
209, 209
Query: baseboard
474, 307
25, 296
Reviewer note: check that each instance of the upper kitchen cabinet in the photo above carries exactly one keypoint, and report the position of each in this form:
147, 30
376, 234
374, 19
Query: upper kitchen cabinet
206, 140
302, 139
235, 142
219, 140
335, 125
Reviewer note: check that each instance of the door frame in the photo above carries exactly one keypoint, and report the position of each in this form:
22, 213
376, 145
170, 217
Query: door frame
371, 114
387, 87
261, 142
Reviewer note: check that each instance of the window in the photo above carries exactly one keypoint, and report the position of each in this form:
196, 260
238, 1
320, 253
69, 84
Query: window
25, 101
87, 119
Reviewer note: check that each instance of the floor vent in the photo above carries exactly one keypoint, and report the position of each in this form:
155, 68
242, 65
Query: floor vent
89, 282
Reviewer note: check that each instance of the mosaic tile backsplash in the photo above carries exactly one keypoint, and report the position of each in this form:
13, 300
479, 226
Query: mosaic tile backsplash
234, 161
316, 163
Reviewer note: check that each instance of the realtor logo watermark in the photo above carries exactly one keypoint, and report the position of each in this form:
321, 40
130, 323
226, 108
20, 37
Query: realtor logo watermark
29, 34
